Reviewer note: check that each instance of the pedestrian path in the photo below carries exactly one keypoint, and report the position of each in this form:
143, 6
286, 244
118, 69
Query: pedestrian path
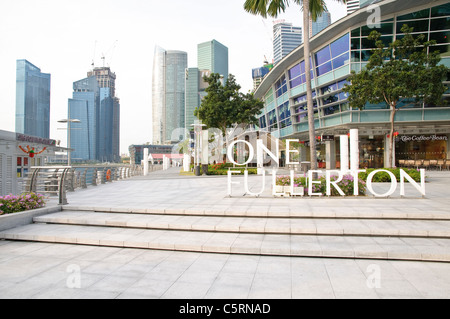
192, 218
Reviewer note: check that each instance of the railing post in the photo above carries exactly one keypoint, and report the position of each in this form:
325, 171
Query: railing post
83, 179
30, 187
62, 187
94, 177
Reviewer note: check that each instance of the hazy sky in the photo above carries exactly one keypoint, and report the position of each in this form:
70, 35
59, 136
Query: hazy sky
63, 38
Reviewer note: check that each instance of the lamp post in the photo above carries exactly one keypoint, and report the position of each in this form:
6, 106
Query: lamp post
198, 127
69, 121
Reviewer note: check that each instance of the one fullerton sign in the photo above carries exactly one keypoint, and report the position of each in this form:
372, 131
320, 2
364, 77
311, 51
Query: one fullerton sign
354, 171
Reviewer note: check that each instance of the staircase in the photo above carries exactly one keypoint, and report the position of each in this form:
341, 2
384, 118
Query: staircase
420, 237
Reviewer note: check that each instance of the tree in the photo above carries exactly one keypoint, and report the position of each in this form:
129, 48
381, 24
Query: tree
313, 9
402, 74
225, 106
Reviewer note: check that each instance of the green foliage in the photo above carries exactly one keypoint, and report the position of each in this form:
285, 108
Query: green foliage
10, 204
402, 71
225, 105
383, 177
346, 185
222, 169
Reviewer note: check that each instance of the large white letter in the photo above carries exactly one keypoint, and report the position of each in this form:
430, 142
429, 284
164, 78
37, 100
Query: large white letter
230, 182
288, 152
247, 190
393, 183
420, 188
230, 152
311, 182
344, 153
261, 147
329, 182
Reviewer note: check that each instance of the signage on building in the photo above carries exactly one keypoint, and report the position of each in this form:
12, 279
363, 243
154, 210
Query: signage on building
423, 138
35, 139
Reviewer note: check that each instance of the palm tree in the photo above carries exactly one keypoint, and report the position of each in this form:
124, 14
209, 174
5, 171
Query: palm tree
313, 9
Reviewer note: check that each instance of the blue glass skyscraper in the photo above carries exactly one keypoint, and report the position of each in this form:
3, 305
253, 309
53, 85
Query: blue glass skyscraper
32, 100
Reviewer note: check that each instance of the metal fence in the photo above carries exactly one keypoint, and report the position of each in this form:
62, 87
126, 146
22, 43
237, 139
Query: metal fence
56, 181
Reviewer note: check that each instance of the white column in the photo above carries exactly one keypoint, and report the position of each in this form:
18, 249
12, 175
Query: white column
354, 149
330, 150
344, 153
205, 147
186, 162
145, 161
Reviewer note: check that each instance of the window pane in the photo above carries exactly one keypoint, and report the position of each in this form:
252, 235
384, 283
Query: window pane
419, 26
415, 15
356, 56
329, 88
384, 29
341, 61
440, 37
356, 32
294, 72
356, 44
340, 46
19, 161
296, 82
444, 50
441, 11
323, 69
323, 56
440, 24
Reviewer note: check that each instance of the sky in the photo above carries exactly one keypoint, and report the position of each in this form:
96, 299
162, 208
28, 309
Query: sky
64, 38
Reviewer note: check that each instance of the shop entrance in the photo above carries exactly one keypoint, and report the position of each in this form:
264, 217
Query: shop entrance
371, 151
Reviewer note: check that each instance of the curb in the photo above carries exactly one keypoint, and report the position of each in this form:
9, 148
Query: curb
25, 218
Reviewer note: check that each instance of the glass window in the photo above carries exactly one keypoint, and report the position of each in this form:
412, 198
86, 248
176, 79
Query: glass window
294, 72
323, 56
419, 26
330, 88
440, 37
324, 68
19, 161
341, 84
365, 55
415, 15
296, 82
331, 99
262, 122
356, 56
356, 32
356, 44
384, 29
444, 50
441, 11
341, 61
440, 24
272, 117
340, 46
331, 110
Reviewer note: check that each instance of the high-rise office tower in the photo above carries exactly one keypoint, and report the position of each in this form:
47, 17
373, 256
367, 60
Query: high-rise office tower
286, 38
108, 124
32, 100
320, 24
213, 56
354, 5
168, 95
97, 136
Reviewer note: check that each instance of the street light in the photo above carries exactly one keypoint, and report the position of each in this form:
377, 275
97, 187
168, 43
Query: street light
69, 121
198, 127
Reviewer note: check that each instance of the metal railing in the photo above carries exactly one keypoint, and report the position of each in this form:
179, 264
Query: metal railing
56, 181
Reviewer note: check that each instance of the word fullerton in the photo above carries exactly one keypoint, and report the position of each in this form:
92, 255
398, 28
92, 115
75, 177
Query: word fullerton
333, 177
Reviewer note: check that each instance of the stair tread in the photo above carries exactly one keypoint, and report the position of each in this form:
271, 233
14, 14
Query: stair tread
363, 227
424, 249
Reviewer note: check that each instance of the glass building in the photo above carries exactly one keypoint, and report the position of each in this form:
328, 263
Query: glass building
322, 22
213, 56
286, 38
168, 95
97, 136
423, 130
32, 100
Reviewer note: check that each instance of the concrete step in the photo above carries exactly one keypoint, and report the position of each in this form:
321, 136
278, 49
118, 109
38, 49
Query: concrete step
388, 248
307, 211
258, 225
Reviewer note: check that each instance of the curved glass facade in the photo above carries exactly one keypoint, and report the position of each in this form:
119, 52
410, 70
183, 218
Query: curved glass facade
285, 113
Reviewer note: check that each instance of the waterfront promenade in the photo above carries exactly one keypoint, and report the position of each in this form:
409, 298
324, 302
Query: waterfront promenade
172, 236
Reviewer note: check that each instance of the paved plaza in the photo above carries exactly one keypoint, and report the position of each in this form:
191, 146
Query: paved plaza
46, 269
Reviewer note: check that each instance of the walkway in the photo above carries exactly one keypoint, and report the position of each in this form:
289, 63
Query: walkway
153, 237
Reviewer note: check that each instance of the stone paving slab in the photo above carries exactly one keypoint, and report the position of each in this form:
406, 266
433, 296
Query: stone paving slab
242, 243
349, 227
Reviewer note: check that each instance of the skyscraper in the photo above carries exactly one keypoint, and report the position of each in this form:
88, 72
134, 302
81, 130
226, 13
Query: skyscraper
97, 136
213, 56
168, 94
32, 100
286, 38
354, 5
320, 24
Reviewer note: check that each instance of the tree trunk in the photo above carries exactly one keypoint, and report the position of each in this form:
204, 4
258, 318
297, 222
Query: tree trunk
307, 54
391, 152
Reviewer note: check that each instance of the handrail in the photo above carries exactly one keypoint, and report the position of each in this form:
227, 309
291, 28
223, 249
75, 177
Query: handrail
58, 180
